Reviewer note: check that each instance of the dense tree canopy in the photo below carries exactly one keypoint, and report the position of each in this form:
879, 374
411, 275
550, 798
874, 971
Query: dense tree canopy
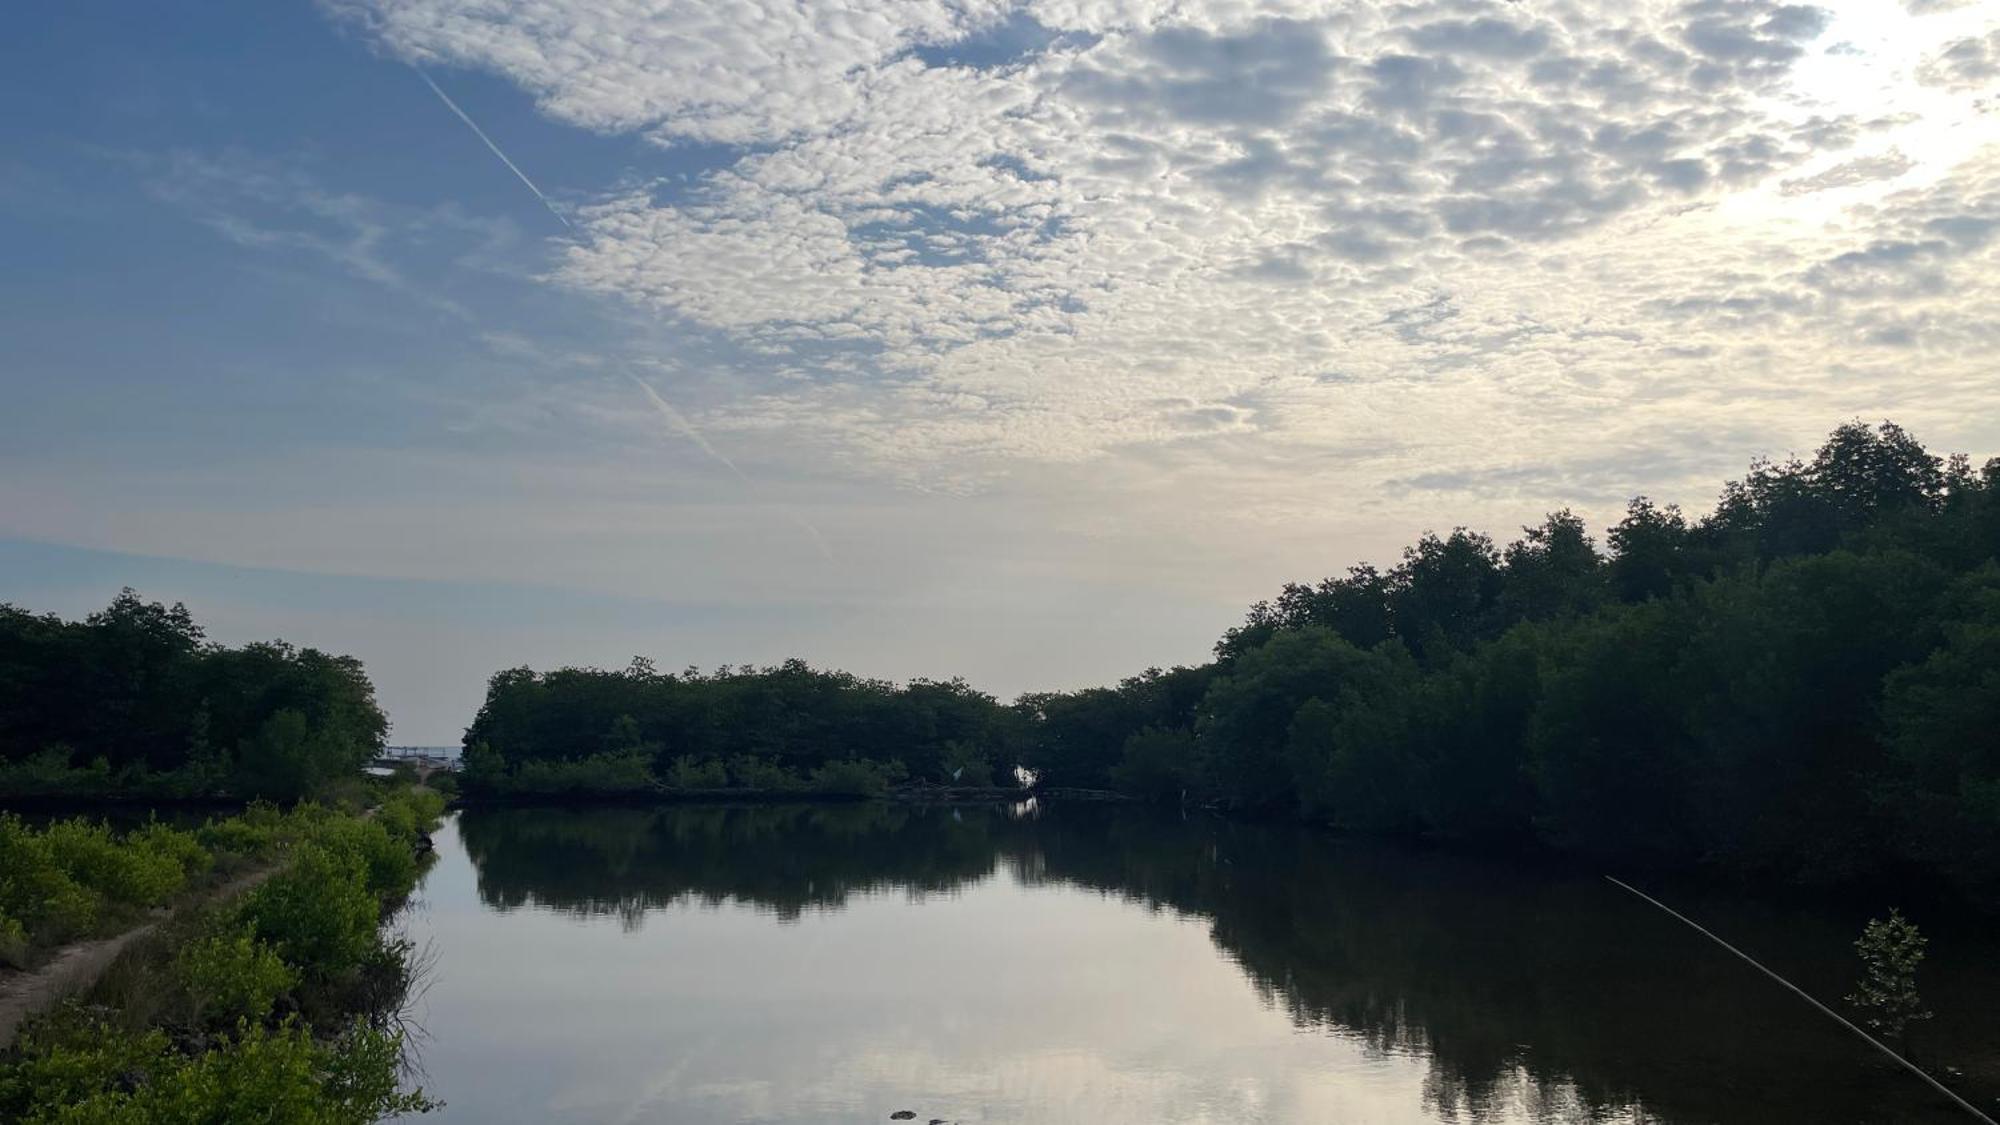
1802, 685
752, 727
134, 699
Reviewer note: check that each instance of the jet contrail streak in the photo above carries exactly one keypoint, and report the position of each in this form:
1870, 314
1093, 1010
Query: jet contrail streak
481, 133
686, 427
680, 422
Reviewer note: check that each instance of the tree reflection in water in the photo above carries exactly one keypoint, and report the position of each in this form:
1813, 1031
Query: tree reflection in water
1549, 995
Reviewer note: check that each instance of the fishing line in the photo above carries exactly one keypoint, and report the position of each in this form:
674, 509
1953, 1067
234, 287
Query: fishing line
1913, 1068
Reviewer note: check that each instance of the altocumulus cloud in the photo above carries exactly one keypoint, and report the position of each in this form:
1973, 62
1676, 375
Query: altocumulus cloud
982, 232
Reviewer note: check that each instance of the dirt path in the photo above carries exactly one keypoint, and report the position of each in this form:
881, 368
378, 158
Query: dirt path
79, 965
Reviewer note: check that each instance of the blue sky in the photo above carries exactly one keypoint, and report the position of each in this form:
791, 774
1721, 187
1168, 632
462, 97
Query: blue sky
1026, 341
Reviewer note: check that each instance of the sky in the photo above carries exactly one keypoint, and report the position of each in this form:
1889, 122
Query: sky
1021, 341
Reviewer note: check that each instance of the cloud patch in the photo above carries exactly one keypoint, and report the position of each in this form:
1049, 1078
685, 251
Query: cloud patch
975, 234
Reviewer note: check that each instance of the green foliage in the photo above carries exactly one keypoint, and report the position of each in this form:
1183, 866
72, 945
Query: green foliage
319, 913
1801, 686
144, 868
1890, 949
857, 777
133, 701
690, 772
791, 716
1941, 716
962, 763
101, 1075
1158, 763
57, 882
13, 942
228, 975
255, 833
36, 891
749, 772
409, 813
622, 771
306, 942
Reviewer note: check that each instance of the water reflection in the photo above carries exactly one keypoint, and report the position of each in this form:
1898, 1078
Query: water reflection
1430, 988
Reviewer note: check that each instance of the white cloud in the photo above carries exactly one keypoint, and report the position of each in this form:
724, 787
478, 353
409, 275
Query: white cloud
1289, 226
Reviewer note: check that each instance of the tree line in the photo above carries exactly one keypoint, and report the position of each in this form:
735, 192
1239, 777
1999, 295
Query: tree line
1802, 685
134, 701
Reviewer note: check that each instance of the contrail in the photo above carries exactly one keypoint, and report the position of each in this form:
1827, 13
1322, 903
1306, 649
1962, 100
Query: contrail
680, 422
481, 133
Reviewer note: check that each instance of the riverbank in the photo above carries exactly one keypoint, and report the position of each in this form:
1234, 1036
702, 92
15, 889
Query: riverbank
75, 968
280, 990
903, 794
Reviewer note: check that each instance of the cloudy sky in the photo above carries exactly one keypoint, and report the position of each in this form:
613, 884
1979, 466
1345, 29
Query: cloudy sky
1024, 341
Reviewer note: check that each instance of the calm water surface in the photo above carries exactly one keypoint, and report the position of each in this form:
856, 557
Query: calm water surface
838, 963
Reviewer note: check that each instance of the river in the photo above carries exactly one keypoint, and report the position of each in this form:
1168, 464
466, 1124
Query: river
834, 963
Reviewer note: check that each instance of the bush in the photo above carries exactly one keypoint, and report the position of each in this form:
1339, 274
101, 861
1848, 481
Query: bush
857, 777
319, 913
965, 764
182, 847
100, 1074
228, 975
747, 772
689, 772
122, 871
410, 813
239, 836
13, 942
387, 862
35, 890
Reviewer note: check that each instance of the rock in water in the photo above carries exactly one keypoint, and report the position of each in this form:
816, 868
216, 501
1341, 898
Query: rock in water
903, 1115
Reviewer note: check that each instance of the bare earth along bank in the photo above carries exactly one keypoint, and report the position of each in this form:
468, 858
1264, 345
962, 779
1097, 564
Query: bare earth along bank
24, 995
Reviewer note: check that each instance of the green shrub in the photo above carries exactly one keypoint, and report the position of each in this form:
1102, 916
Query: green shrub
319, 913
409, 813
122, 871
13, 942
858, 777
747, 772
623, 771
175, 844
99, 1074
688, 772
228, 975
35, 890
962, 763
61, 1067
238, 836
387, 863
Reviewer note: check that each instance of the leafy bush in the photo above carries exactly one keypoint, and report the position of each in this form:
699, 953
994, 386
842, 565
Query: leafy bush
858, 777
13, 942
386, 861
35, 890
100, 1074
239, 836
408, 813
620, 772
178, 845
118, 870
689, 772
962, 763
319, 913
747, 772
228, 975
